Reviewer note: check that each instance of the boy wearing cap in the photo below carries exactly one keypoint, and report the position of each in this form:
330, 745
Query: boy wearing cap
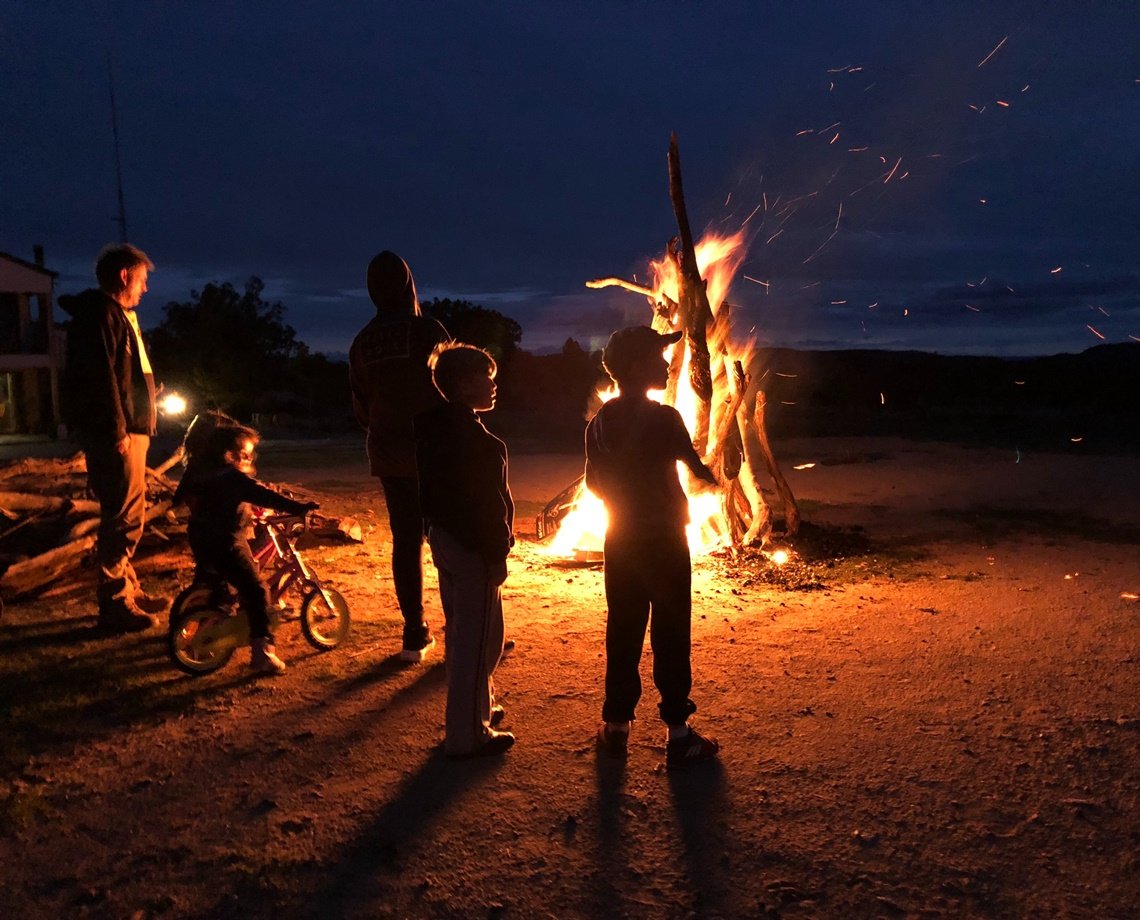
632, 448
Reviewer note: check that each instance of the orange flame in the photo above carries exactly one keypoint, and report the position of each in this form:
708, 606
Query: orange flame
718, 260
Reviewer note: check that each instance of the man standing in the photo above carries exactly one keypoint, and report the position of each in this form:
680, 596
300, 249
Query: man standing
111, 412
391, 383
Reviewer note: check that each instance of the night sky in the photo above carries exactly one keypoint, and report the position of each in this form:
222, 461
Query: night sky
960, 178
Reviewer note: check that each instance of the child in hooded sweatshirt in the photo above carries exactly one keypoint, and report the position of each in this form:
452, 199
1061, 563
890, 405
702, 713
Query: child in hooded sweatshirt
218, 487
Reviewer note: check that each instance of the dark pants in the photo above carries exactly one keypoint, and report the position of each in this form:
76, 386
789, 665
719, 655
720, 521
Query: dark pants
401, 495
235, 563
119, 483
647, 573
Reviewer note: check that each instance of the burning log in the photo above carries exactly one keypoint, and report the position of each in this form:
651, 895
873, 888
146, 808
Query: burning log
695, 313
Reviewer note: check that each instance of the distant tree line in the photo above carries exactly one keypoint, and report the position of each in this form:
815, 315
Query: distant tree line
233, 350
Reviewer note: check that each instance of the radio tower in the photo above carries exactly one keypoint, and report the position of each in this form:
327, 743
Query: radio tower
121, 219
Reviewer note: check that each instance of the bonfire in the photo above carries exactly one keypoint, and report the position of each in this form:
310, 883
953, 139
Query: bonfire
715, 382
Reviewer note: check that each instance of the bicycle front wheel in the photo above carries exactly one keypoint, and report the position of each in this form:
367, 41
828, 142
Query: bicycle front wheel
324, 622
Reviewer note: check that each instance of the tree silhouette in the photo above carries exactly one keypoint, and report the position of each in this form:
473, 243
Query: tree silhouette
476, 325
226, 349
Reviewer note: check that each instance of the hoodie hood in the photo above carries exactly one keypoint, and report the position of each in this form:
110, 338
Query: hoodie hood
85, 304
391, 286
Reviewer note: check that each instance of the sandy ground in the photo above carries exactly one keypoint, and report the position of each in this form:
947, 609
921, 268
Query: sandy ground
948, 725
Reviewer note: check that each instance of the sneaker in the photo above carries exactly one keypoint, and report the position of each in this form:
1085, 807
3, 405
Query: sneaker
263, 658
693, 748
498, 713
151, 603
124, 617
615, 744
416, 655
496, 743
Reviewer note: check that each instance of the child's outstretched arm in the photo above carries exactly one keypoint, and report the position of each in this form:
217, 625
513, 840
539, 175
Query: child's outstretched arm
261, 495
692, 460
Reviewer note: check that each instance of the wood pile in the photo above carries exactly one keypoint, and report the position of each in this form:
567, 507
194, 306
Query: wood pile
49, 519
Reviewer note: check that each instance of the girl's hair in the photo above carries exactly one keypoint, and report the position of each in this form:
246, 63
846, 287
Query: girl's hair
211, 435
453, 362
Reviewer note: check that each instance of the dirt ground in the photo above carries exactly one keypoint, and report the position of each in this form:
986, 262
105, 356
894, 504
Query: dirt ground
937, 716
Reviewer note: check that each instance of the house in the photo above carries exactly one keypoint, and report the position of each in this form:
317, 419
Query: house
31, 348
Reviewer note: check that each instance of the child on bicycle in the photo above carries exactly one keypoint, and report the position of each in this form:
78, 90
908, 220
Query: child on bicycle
218, 487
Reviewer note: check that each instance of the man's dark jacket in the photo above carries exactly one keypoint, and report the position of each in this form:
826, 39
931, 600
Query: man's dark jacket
106, 394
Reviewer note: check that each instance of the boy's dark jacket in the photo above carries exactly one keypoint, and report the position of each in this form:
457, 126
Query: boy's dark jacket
462, 471
106, 394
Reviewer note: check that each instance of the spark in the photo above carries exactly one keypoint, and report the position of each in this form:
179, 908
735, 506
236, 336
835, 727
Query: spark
839, 215
906, 311
764, 198
834, 139
804, 466
830, 237
763, 284
1019, 383
983, 200
842, 69
789, 376
1134, 338
1129, 596
805, 131
856, 149
830, 127
1094, 331
831, 86
882, 399
836, 303
871, 306
780, 556
892, 172
1003, 103
1104, 311
904, 175
753, 214
728, 199
1025, 88
995, 51
1077, 440
970, 306
787, 402
1055, 271
773, 236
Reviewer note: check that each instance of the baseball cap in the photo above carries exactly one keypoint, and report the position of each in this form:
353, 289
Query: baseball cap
629, 347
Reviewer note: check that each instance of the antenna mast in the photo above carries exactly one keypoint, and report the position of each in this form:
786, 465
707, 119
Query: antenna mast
121, 219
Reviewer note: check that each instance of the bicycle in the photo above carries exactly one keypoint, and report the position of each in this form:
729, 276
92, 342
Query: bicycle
208, 623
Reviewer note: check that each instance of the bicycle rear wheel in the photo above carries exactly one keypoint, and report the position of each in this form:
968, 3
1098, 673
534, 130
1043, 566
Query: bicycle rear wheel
203, 639
324, 624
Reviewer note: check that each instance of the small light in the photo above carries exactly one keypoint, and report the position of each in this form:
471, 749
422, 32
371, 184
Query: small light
780, 556
172, 404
